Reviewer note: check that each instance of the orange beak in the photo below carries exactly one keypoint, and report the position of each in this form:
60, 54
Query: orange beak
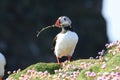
57, 23
0, 78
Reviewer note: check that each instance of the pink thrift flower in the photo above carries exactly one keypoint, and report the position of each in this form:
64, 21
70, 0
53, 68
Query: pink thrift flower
88, 73
103, 66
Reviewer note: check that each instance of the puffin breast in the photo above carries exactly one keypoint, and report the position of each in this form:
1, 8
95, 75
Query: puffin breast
66, 43
2, 65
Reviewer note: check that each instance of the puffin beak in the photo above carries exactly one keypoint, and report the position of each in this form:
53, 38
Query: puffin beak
57, 23
0, 78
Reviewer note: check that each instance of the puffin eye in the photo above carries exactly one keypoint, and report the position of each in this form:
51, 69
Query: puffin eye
65, 19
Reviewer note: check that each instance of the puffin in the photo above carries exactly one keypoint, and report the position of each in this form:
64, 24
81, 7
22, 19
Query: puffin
2, 65
65, 42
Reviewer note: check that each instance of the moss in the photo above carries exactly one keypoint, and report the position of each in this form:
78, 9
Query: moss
50, 67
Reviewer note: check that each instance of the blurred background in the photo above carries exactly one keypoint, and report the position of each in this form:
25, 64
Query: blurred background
21, 19
111, 13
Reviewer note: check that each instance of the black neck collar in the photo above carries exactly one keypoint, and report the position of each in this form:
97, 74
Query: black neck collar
68, 28
65, 29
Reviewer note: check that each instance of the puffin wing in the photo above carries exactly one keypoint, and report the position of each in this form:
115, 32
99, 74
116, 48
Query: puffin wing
54, 42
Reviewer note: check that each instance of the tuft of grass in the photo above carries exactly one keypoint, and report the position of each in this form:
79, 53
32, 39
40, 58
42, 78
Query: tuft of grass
50, 67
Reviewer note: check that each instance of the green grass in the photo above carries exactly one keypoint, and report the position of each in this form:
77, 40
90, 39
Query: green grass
111, 63
114, 60
45, 66
50, 67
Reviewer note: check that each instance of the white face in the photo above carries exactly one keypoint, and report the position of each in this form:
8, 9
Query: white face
64, 21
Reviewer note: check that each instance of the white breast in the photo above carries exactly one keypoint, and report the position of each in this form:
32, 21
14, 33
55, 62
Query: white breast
2, 65
65, 44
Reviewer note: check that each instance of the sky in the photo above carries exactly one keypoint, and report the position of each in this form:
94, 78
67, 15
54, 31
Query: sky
111, 13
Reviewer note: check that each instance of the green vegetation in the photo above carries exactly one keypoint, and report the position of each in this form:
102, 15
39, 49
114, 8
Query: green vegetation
50, 67
107, 67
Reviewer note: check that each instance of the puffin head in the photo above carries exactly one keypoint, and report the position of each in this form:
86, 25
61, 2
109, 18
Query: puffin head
2, 65
63, 21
